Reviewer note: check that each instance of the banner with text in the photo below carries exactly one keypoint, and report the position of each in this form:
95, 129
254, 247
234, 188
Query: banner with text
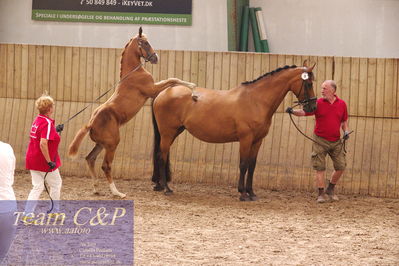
172, 12
75, 232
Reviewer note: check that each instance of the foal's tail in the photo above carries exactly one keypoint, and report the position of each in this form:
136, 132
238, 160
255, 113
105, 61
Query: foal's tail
77, 140
156, 154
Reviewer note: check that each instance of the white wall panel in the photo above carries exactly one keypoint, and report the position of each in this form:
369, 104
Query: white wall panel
207, 33
363, 28
359, 28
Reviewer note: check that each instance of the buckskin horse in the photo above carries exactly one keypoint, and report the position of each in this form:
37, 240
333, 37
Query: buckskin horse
240, 114
135, 87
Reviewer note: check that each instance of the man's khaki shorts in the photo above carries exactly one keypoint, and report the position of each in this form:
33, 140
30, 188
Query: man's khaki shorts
334, 149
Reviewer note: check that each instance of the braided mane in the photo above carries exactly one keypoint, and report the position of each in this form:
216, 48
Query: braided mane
268, 73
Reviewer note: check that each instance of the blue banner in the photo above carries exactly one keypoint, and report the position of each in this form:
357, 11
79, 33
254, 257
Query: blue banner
74, 233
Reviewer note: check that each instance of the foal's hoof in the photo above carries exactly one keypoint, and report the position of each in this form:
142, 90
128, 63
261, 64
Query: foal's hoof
158, 187
121, 195
168, 192
98, 193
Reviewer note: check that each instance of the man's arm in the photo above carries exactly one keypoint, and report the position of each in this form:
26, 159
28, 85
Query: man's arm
344, 126
298, 112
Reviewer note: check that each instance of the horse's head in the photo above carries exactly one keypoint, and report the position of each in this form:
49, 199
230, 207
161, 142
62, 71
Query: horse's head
144, 48
302, 87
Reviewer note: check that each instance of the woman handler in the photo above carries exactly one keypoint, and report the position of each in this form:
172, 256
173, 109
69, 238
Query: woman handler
42, 155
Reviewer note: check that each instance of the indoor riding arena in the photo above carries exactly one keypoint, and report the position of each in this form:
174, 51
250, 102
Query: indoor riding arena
75, 59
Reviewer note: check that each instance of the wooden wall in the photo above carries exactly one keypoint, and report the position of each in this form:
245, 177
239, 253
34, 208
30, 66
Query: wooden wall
75, 76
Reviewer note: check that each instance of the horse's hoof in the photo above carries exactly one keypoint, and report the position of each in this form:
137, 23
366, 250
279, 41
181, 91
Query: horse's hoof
245, 198
168, 193
253, 198
158, 187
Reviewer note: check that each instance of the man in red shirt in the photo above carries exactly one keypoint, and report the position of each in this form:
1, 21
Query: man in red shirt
331, 115
42, 157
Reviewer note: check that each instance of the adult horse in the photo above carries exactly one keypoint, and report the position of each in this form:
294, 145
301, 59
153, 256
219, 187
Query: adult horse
135, 87
218, 116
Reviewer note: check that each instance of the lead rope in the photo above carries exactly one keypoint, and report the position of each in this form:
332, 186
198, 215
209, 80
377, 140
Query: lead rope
300, 131
48, 192
45, 185
343, 144
102, 95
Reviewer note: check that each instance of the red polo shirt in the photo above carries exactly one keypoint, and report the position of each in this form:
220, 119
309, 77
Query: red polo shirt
329, 118
42, 127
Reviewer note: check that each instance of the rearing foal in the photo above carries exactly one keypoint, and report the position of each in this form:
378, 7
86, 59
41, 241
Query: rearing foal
241, 114
135, 87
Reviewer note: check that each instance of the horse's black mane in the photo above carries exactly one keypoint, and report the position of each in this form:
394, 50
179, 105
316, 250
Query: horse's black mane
268, 73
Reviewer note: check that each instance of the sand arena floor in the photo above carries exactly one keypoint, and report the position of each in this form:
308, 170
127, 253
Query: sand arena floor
205, 225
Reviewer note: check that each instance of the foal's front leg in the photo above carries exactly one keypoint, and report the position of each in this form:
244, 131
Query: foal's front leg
106, 167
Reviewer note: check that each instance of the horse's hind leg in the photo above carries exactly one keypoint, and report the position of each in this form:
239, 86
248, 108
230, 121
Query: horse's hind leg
157, 176
108, 158
91, 160
164, 162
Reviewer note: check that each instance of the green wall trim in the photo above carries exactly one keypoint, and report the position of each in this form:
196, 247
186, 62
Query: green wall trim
234, 12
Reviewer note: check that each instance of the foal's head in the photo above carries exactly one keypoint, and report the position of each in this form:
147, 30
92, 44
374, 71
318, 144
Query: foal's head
140, 46
302, 87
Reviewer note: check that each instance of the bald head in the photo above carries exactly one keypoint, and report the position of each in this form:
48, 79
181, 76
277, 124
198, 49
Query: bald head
330, 83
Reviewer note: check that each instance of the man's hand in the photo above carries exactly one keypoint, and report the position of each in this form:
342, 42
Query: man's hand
51, 165
59, 128
289, 110
346, 135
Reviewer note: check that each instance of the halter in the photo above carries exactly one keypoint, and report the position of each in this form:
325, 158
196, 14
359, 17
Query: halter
147, 51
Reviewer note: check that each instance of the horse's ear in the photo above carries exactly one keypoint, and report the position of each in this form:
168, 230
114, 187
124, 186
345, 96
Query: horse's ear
305, 63
311, 68
140, 31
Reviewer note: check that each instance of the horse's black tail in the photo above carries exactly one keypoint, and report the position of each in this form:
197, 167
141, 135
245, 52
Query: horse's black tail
156, 155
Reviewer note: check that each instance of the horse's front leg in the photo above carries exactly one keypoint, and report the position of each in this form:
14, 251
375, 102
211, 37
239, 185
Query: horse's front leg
245, 148
241, 183
251, 169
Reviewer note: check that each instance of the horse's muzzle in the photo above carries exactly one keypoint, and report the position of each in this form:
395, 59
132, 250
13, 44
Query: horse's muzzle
310, 105
153, 58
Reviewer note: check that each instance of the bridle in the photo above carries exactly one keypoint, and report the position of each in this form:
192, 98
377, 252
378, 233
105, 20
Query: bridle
147, 50
307, 85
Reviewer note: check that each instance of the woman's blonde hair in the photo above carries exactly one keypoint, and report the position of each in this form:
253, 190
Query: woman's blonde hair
44, 103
